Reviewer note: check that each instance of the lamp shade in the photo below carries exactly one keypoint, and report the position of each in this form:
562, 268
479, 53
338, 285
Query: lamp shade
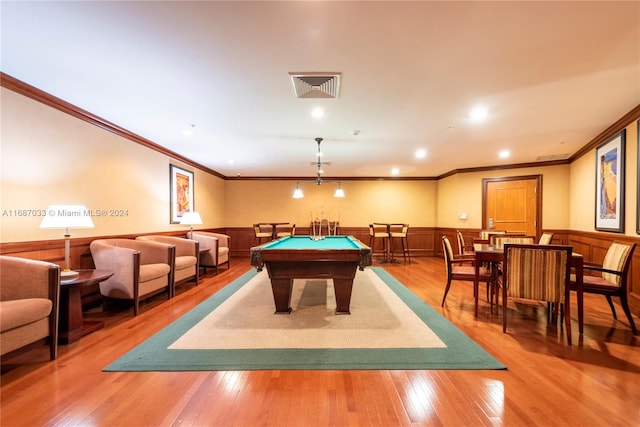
67, 216
297, 193
339, 191
191, 218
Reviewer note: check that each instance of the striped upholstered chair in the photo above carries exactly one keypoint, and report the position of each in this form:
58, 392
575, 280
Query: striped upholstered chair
540, 273
500, 240
612, 279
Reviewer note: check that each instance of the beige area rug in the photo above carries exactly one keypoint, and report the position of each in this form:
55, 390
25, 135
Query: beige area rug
246, 320
236, 329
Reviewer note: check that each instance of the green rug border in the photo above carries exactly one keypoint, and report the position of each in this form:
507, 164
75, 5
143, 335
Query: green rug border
461, 352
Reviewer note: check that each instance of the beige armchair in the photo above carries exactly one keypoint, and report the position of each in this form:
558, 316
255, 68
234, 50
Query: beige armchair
141, 268
29, 301
187, 265
218, 245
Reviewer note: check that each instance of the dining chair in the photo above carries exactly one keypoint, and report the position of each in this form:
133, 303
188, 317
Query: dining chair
613, 278
462, 245
286, 232
499, 240
260, 233
399, 232
461, 269
486, 234
494, 237
545, 239
539, 273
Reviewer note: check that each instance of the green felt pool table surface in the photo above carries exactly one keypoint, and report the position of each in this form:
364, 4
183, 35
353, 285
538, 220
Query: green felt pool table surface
305, 242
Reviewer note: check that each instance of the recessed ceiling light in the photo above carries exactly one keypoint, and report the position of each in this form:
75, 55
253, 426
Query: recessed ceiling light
421, 153
504, 154
479, 114
317, 113
395, 171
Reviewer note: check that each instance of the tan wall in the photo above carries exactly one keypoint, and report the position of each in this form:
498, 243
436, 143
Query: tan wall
49, 157
411, 202
462, 193
583, 187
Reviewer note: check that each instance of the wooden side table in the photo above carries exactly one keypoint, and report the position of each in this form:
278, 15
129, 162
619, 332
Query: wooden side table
71, 324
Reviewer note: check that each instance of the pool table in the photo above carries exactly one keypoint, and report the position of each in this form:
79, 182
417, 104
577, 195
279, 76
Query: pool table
302, 257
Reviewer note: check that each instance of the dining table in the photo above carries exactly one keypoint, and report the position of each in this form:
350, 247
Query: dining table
487, 254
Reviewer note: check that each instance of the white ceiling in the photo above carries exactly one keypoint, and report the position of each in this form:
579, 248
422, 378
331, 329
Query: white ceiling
553, 75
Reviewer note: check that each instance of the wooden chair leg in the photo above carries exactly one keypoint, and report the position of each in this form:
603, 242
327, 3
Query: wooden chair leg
613, 309
625, 307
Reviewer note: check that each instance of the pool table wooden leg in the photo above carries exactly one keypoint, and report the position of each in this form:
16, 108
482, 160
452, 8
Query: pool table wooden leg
282, 295
342, 289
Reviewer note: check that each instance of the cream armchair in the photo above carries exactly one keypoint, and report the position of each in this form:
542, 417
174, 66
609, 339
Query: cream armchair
29, 301
218, 245
141, 268
187, 265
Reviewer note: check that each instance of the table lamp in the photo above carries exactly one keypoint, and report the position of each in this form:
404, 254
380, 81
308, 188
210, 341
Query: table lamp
67, 216
191, 219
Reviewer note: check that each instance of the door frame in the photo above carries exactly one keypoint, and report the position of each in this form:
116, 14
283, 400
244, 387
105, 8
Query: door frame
537, 178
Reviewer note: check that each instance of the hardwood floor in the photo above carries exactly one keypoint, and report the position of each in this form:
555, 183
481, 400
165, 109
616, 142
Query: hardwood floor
595, 382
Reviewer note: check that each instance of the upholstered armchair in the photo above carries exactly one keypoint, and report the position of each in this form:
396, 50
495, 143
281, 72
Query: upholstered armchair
219, 246
141, 268
29, 301
187, 265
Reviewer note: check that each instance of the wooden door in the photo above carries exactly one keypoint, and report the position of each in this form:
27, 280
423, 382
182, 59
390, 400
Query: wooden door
513, 204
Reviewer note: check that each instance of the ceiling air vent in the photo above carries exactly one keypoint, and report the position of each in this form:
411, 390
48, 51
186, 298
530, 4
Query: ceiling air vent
552, 157
315, 85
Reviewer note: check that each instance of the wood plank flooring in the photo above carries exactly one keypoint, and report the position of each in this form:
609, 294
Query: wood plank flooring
595, 382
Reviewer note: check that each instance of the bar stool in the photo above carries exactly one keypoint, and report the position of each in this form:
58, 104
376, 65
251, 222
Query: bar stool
400, 231
378, 232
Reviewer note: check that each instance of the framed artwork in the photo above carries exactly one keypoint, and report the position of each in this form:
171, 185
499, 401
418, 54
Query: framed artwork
610, 184
181, 184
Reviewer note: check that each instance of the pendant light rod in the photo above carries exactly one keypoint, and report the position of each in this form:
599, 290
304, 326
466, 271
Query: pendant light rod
298, 194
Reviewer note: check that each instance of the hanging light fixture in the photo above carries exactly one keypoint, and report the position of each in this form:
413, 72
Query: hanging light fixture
298, 194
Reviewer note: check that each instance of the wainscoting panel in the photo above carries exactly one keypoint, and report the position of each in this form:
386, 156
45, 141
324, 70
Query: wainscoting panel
423, 241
